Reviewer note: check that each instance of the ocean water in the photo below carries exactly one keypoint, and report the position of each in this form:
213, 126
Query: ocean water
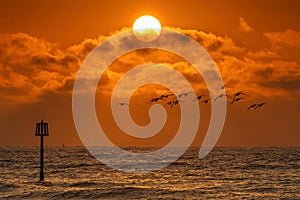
226, 173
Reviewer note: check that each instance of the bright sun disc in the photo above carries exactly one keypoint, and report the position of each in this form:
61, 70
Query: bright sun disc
146, 28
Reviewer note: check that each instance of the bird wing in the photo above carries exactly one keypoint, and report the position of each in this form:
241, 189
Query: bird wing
239, 93
232, 101
251, 106
151, 100
259, 105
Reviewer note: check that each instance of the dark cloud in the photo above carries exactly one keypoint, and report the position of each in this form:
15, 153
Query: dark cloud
288, 85
215, 46
265, 73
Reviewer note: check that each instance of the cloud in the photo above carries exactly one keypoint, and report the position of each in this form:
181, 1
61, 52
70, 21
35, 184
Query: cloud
288, 37
212, 42
264, 55
31, 67
264, 72
244, 26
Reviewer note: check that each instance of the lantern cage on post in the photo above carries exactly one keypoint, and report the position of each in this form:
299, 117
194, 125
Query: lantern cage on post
41, 130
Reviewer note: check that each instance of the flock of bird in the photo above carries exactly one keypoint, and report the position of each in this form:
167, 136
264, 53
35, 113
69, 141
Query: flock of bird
236, 97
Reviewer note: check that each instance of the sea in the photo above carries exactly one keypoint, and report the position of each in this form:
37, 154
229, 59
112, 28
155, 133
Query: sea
226, 173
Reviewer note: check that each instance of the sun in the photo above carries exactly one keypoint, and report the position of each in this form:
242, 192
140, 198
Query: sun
146, 28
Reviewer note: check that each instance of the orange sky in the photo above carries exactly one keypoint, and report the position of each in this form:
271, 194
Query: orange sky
255, 44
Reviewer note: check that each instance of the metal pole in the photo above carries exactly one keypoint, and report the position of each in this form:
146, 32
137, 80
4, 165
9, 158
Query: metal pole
41, 130
42, 154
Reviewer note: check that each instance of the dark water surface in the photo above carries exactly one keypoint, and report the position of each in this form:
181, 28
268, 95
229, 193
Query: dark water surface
226, 173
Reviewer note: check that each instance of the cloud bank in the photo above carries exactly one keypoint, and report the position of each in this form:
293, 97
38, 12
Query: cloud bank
31, 67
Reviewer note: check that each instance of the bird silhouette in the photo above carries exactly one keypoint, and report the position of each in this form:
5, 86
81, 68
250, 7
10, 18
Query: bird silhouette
170, 103
123, 104
183, 94
165, 96
237, 94
199, 97
205, 101
236, 99
177, 101
256, 105
155, 99
173, 103
221, 96
162, 97
252, 106
223, 86
260, 105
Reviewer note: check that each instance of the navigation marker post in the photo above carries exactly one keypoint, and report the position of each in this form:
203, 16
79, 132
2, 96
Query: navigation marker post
41, 130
